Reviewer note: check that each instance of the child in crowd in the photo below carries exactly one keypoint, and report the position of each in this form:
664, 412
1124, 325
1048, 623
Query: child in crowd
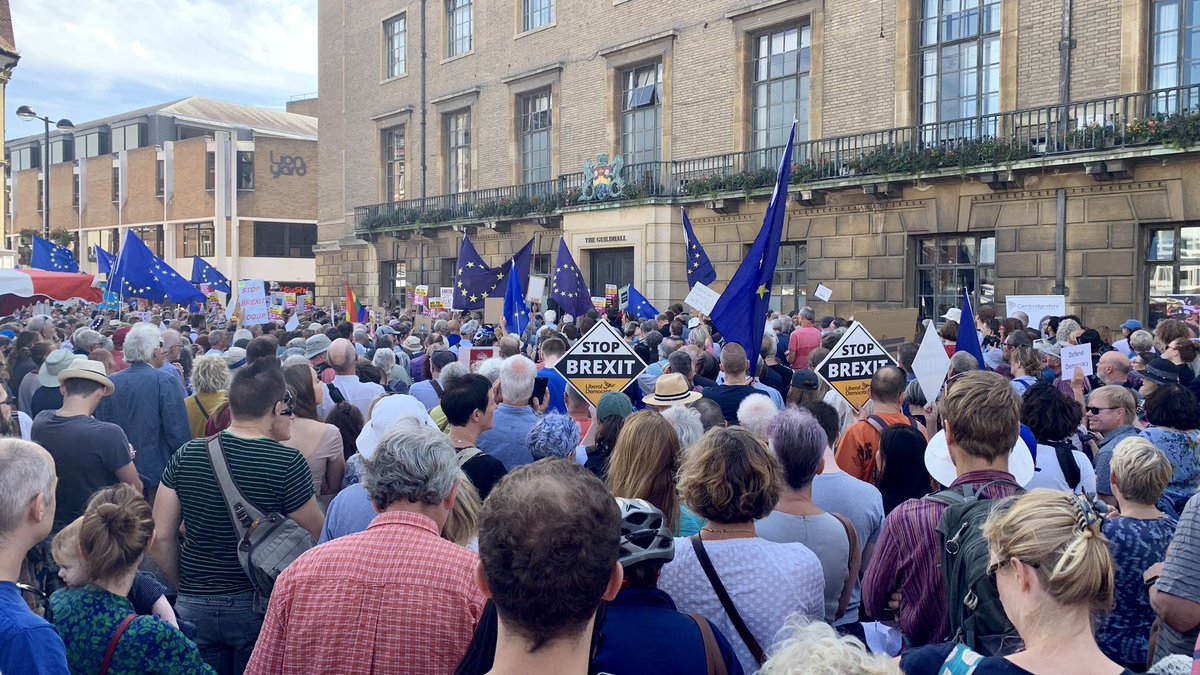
1138, 539
147, 595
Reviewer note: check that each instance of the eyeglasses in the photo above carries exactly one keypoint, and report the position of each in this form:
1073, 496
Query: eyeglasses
1093, 410
995, 567
288, 398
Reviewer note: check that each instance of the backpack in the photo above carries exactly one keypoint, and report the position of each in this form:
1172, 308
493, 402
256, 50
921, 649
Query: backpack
268, 543
1065, 454
977, 618
908, 440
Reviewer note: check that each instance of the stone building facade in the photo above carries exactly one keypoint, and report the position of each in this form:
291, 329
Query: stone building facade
233, 184
940, 145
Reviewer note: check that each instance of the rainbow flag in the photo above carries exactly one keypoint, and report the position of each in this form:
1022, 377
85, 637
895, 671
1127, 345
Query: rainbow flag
355, 311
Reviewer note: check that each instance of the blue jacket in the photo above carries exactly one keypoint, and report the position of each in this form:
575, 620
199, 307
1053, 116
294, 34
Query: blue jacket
643, 633
148, 406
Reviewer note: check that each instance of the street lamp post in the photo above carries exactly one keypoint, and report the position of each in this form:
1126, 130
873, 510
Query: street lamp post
26, 113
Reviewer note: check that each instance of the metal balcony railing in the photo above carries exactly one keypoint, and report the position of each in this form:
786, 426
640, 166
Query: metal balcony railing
1165, 117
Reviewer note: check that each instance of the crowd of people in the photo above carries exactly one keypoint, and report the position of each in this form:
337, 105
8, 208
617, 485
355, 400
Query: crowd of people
180, 494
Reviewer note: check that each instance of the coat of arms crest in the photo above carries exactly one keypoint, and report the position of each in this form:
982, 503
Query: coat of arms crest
602, 179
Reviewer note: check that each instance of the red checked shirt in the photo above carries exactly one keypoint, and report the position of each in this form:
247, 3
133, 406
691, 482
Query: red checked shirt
908, 559
396, 598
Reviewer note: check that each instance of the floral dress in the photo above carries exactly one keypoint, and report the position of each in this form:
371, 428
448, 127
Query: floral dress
1124, 635
87, 617
1183, 449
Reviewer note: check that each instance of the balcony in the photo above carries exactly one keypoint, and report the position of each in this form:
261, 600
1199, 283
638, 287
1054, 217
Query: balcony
996, 148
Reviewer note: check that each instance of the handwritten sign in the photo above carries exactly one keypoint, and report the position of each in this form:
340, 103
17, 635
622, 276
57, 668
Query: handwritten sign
823, 293
702, 298
1076, 356
252, 297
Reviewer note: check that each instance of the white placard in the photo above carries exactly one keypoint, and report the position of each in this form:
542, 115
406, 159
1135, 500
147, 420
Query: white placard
1076, 356
931, 364
1036, 306
537, 288
293, 323
702, 298
448, 298
823, 293
252, 297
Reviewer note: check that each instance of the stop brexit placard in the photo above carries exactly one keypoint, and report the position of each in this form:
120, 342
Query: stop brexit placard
852, 362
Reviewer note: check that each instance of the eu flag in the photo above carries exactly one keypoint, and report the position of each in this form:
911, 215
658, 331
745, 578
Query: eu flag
516, 312
51, 257
567, 286
204, 273
968, 338
141, 274
699, 267
741, 311
639, 307
474, 281
105, 260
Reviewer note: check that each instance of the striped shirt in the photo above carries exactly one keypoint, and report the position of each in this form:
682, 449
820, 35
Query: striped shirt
1180, 580
274, 478
908, 556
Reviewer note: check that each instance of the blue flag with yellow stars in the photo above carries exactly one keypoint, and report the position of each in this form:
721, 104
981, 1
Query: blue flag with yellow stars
51, 257
567, 286
475, 282
105, 260
516, 312
699, 267
141, 274
741, 313
639, 307
204, 273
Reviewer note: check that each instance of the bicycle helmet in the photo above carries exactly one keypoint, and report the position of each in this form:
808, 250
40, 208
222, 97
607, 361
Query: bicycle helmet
644, 533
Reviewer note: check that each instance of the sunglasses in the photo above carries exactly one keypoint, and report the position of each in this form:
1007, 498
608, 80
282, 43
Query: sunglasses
995, 567
1093, 410
288, 398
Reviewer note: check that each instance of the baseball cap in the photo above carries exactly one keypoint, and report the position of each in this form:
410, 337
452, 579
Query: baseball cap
805, 379
1132, 324
614, 404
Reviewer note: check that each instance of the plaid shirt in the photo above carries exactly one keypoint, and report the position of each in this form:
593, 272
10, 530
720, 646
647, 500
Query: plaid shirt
908, 559
396, 598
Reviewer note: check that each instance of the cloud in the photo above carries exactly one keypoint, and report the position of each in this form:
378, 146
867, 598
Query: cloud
99, 55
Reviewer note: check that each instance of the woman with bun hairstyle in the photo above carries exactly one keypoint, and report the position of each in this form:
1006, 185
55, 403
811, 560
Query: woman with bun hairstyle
115, 533
1054, 572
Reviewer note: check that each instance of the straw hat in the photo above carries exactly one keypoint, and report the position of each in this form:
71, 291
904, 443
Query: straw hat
671, 389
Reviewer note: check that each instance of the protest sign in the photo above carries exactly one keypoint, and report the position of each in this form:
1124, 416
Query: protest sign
301, 305
252, 297
421, 323
890, 327
493, 310
469, 356
1076, 356
289, 300
702, 298
823, 293
421, 295
610, 293
600, 362
537, 288
436, 304
448, 298
1036, 306
598, 302
623, 298
293, 323
852, 362
931, 364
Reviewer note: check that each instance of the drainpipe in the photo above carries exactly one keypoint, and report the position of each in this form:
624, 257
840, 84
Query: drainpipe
1065, 45
424, 165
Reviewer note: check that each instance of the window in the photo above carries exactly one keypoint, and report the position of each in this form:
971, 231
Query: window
535, 137
641, 114
160, 178
536, 13
284, 240
62, 149
245, 170
393, 46
960, 67
25, 158
129, 137
151, 235
458, 27
1173, 272
781, 63
198, 240
210, 171
75, 190
458, 151
540, 264
447, 276
92, 144
393, 163
116, 184
183, 133
947, 265
791, 275
1175, 53
41, 194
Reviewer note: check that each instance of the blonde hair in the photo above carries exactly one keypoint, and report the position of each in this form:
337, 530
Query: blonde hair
115, 532
462, 525
645, 462
1059, 534
65, 547
1117, 397
813, 648
1142, 470
210, 374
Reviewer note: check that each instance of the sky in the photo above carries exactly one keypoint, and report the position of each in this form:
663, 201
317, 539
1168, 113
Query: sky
87, 59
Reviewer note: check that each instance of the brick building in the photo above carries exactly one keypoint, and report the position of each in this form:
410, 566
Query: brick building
942, 143
231, 183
